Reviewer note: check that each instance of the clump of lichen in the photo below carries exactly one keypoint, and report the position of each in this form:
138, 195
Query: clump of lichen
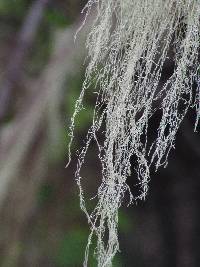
127, 47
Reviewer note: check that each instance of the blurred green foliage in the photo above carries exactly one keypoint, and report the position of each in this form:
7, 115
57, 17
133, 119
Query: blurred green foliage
40, 51
45, 193
72, 247
57, 18
13, 8
125, 222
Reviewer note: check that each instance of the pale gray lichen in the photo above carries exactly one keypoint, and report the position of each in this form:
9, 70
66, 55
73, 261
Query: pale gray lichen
127, 47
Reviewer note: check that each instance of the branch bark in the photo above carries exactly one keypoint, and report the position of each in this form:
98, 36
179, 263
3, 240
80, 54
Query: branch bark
25, 39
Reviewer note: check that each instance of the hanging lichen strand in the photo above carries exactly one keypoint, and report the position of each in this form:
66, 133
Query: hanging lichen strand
127, 47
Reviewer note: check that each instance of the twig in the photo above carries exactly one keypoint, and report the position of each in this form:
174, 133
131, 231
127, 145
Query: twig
24, 41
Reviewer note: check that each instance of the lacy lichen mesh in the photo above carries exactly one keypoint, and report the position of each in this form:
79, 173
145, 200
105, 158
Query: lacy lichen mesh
127, 47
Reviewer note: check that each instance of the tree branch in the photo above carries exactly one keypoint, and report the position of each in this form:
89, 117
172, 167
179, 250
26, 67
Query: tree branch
24, 41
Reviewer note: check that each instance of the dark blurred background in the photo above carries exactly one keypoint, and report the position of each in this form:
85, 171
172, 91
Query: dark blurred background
41, 225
